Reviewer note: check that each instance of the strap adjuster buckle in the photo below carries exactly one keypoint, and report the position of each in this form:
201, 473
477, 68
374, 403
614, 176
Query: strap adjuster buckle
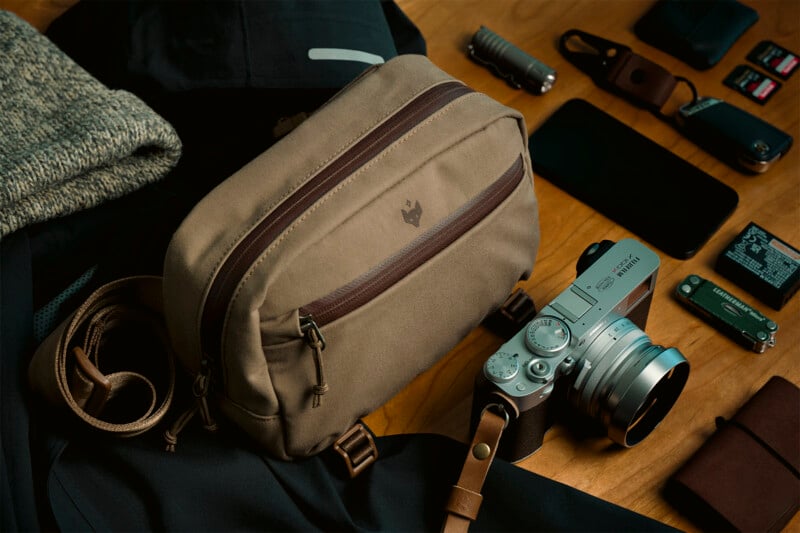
357, 448
516, 311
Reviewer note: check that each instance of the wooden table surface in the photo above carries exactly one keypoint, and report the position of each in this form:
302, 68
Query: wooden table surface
723, 374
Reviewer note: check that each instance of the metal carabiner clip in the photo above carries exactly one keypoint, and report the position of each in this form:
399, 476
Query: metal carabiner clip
598, 56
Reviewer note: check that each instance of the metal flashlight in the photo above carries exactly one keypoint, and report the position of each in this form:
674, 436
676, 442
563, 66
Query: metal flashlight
509, 62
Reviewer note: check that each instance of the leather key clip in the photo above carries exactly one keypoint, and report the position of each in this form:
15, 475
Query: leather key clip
616, 68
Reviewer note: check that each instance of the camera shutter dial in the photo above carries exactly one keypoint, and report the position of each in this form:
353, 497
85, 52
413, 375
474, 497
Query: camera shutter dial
547, 336
502, 367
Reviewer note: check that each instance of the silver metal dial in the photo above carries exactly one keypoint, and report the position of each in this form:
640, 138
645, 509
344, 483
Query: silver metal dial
547, 336
502, 367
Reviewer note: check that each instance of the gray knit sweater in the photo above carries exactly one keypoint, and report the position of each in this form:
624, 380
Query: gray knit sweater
67, 142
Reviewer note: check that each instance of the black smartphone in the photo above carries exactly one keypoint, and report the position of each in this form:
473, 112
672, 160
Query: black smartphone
629, 178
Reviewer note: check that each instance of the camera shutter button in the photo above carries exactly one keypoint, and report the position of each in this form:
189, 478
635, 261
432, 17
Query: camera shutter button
538, 371
547, 336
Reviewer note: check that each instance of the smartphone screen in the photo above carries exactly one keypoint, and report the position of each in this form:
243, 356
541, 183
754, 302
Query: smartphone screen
632, 180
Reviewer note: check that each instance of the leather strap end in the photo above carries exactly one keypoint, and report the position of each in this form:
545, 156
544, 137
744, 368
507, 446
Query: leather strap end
89, 387
465, 497
464, 502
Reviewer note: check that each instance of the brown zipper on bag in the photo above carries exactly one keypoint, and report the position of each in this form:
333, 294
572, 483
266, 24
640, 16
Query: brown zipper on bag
374, 282
363, 289
264, 233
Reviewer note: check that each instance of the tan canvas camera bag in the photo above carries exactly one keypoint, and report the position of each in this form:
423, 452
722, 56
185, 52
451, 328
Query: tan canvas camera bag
317, 281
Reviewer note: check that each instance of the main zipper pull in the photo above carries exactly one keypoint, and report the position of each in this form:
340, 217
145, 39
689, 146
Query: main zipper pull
316, 341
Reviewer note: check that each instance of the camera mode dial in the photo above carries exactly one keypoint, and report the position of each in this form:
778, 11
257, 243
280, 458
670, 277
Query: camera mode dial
547, 336
502, 367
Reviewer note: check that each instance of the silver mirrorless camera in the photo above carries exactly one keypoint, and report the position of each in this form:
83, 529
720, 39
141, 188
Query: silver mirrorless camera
586, 350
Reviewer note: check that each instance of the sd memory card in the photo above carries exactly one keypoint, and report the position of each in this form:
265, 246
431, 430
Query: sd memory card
774, 58
753, 84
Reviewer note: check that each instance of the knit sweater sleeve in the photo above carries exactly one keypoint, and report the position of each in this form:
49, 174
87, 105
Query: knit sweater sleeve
67, 142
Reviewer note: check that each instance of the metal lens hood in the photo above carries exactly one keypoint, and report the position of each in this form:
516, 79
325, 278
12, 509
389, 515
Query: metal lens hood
645, 393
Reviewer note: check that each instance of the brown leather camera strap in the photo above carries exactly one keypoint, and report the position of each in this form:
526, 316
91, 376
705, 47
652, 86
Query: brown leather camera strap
465, 497
110, 363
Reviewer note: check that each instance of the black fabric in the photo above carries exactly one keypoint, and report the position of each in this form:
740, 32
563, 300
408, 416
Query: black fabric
224, 74
16, 336
122, 236
224, 121
211, 483
183, 45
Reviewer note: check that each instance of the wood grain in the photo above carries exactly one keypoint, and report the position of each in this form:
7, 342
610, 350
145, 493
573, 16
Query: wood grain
723, 375
38, 13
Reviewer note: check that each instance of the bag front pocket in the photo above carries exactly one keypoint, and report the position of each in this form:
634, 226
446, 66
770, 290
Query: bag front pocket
355, 294
346, 299
247, 251
353, 360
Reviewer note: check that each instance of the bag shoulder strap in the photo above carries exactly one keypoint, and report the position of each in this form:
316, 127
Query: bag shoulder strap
110, 362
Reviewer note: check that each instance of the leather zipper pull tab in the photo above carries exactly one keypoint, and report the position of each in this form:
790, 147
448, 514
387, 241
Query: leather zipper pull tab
316, 341
617, 69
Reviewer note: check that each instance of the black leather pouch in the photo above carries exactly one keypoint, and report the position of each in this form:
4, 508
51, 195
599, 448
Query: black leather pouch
698, 32
745, 476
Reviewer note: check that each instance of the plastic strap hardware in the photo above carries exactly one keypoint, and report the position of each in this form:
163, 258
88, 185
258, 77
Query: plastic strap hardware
518, 309
357, 448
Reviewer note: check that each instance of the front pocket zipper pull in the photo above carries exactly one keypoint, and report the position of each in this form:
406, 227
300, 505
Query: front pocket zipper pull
200, 392
316, 341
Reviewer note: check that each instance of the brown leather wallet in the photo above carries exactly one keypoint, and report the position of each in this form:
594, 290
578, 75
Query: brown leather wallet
745, 476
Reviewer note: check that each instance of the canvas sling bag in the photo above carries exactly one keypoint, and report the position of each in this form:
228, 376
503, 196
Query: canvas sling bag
316, 282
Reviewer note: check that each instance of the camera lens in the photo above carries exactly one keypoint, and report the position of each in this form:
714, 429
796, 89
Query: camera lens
628, 383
